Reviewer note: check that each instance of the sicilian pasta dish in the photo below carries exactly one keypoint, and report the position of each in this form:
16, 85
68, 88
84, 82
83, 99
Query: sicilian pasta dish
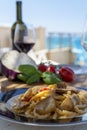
56, 101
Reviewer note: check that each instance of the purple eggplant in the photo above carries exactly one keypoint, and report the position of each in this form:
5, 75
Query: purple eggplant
10, 61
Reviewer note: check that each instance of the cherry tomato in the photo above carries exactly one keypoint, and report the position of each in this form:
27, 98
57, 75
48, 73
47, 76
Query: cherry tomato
66, 74
42, 67
51, 68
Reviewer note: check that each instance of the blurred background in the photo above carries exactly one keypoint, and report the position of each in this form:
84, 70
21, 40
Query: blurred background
58, 25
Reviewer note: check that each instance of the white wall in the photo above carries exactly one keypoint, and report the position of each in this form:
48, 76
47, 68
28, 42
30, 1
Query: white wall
40, 39
5, 37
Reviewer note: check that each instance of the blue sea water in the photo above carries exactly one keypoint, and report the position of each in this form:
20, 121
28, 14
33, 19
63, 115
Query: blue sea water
74, 42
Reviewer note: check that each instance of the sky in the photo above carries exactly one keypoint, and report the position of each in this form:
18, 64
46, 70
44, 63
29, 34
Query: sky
55, 15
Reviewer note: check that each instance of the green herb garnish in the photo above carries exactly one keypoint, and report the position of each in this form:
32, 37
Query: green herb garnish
30, 74
50, 78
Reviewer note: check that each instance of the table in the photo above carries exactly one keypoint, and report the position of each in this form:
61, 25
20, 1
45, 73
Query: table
6, 125
5, 84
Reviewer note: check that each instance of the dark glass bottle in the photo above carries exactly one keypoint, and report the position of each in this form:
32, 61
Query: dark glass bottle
18, 21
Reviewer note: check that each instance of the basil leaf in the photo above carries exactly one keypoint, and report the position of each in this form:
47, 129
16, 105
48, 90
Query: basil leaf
34, 78
50, 78
27, 69
23, 77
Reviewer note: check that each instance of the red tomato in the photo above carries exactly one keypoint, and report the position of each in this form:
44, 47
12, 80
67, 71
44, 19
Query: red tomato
51, 68
66, 74
42, 67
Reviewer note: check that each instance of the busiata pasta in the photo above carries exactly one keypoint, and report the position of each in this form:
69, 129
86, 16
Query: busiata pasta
51, 102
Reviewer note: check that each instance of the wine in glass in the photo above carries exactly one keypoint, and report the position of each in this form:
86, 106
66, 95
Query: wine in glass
24, 38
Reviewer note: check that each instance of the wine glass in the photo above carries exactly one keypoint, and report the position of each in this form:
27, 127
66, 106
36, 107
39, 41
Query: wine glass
24, 38
84, 35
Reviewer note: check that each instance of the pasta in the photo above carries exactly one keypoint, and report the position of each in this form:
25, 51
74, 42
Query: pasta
51, 102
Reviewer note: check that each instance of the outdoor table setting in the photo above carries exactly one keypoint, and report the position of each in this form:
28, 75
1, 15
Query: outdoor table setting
40, 96
11, 89
43, 66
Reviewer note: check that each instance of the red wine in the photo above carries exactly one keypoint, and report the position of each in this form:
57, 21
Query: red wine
23, 47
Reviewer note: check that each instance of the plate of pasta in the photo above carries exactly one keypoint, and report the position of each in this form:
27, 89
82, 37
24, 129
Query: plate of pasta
54, 102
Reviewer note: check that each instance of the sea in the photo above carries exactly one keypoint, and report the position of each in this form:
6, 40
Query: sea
54, 41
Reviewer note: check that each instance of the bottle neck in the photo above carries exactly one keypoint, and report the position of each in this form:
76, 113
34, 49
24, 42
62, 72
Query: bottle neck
19, 11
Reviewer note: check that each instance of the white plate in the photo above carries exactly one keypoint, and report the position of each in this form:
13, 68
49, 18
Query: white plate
77, 120
10, 102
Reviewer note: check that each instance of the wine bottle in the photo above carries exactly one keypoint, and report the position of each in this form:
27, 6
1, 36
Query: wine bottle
18, 21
